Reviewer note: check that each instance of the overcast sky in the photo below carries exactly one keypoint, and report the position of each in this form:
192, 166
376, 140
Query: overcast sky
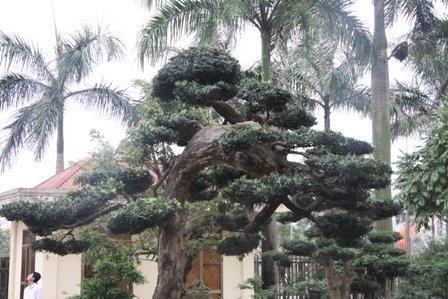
33, 20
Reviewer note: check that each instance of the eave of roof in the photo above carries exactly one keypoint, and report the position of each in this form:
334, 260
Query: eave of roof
62, 180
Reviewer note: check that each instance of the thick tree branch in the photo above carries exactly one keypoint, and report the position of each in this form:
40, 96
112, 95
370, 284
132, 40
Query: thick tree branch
227, 112
261, 217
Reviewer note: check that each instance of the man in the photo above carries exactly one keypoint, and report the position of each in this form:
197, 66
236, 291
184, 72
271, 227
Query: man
33, 290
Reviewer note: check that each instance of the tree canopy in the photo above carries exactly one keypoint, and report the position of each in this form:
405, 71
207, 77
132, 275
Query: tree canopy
248, 148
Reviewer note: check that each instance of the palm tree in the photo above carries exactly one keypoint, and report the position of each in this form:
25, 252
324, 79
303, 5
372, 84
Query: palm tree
278, 22
42, 86
328, 74
380, 101
422, 15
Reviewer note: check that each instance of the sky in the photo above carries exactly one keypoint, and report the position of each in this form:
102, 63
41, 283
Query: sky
33, 20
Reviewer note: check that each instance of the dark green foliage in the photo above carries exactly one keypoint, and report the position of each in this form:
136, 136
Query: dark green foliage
205, 66
287, 217
264, 97
206, 184
342, 227
293, 119
299, 247
384, 209
319, 143
384, 237
133, 180
427, 276
423, 175
364, 286
353, 171
233, 222
141, 214
221, 175
238, 244
382, 266
114, 269
193, 93
263, 190
281, 259
217, 177
256, 284
246, 138
43, 218
197, 290
334, 252
157, 135
61, 248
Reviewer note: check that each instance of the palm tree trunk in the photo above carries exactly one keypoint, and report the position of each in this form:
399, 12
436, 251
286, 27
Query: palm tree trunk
60, 145
327, 112
269, 271
380, 102
265, 56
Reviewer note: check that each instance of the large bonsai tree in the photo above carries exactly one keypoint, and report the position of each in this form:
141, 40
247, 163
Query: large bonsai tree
247, 149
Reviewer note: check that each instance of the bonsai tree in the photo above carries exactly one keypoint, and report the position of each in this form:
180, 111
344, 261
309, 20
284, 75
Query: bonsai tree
247, 148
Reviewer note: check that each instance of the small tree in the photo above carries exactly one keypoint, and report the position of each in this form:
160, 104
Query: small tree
336, 242
427, 275
238, 138
113, 267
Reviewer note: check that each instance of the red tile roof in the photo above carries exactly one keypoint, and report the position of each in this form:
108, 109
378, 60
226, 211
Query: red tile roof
62, 180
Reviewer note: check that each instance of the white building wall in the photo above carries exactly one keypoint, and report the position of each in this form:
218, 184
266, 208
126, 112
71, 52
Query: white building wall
15, 260
236, 271
149, 271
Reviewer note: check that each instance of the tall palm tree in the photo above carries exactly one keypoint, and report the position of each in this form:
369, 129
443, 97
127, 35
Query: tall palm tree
41, 86
380, 101
328, 73
278, 21
422, 16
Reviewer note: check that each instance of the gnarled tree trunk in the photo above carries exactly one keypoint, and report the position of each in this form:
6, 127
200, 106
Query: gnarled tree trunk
201, 152
171, 260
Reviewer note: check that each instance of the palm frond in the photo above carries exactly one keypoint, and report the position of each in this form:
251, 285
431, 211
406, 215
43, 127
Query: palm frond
17, 89
427, 54
179, 19
337, 17
85, 49
293, 21
15, 51
32, 128
106, 100
411, 109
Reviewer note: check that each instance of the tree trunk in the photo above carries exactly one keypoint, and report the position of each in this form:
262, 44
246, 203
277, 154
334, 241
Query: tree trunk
347, 279
407, 235
380, 102
332, 279
327, 112
60, 145
170, 261
200, 153
265, 56
269, 270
